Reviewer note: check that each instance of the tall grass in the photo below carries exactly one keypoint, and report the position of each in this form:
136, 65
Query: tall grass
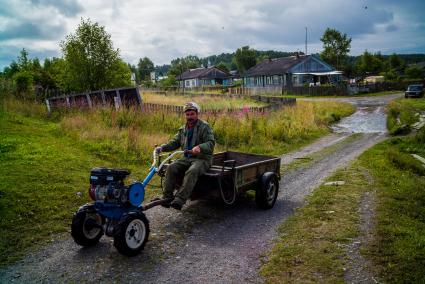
206, 102
402, 114
135, 133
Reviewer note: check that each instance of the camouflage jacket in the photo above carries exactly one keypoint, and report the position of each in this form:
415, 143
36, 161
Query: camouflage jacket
202, 135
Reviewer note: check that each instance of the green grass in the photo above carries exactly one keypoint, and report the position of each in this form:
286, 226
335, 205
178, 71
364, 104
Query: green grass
398, 249
402, 114
307, 160
360, 95
206, 102
42, 171
310, 246
45, 160
311, 243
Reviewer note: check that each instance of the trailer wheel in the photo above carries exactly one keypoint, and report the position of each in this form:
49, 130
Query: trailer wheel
132, 233
86, 227
267, 191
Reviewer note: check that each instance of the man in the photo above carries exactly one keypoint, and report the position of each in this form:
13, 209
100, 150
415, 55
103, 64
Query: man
197, 139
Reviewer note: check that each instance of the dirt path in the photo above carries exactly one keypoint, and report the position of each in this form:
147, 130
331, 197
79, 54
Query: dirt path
203, 243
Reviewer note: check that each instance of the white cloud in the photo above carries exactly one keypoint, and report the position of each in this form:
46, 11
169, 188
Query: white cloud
166, 29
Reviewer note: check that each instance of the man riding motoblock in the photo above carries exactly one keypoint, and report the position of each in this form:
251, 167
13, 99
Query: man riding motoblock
196, 138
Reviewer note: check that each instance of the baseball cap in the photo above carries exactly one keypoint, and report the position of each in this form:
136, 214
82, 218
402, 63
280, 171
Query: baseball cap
191, 106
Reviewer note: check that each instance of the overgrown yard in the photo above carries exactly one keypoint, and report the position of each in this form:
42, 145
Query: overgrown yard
45, 161
313, 244
205, 101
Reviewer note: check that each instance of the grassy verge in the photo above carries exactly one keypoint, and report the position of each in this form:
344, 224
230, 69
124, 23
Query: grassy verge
307, 160
360, 95
44, 179
398, 249
402, 114
311, 244
45, 161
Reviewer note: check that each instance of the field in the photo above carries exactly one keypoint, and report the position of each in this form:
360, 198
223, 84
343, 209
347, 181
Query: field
45, 160
205, 101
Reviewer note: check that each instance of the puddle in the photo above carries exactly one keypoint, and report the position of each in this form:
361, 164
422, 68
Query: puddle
364, 120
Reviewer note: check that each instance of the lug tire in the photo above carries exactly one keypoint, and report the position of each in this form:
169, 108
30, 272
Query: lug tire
131, 233
267, 191
82, 231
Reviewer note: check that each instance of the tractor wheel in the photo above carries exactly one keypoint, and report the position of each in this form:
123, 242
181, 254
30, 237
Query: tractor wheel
131, 233
267, 191
87, 226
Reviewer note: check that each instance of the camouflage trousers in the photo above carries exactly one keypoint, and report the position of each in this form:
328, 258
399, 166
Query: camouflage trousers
187, 168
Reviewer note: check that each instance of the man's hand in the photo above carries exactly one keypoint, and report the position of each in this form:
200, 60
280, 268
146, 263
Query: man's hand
196, 150
158, 150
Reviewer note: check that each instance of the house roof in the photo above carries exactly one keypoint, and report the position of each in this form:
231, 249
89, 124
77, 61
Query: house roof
284, 65
274, 66
203, 73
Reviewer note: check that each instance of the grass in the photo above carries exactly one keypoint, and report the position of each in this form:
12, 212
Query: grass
45, 160
402, 114
206, 102
311, 244
307, 160
398, 249
377, 94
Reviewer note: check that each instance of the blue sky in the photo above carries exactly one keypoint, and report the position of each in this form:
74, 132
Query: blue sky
164, 30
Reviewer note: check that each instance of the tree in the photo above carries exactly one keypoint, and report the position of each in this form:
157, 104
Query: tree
245, 58
222, 66
336, 47
180, 65
23, 61
414, 72
23, 81
144, 68
90, 59
396, 63
370, 63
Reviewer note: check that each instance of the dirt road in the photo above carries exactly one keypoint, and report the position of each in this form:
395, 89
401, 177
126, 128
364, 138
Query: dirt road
205, 242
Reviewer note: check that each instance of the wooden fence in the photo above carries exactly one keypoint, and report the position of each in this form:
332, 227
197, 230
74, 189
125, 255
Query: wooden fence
113, 98
179, 109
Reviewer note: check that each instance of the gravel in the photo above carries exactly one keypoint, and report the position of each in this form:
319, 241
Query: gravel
205, 242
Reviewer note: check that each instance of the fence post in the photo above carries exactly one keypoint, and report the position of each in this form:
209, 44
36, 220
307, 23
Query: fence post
89, 100
48, 105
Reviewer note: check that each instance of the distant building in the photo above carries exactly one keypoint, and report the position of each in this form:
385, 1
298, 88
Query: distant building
290, 71
199, 77
374, 79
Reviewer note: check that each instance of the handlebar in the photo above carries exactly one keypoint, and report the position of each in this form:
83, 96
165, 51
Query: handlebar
155, 158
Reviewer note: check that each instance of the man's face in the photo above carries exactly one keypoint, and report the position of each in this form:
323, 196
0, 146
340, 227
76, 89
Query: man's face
191, 116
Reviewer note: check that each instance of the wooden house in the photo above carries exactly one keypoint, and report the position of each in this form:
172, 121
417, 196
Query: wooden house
300, 70
211, 76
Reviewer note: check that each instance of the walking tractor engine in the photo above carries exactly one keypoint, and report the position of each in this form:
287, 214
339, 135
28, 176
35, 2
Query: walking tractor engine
107, 186
117, 210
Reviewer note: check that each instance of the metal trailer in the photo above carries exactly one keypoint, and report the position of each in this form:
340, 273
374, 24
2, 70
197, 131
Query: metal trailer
234, 173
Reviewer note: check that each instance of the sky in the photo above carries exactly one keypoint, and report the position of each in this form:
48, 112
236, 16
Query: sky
165, 29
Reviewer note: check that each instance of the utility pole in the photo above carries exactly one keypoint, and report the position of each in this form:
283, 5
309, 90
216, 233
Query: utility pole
305, 40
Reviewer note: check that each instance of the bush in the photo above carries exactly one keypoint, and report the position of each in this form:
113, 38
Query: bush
23, 84
405, 161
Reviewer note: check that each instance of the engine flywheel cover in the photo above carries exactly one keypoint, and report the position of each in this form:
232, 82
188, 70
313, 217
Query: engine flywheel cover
136, 194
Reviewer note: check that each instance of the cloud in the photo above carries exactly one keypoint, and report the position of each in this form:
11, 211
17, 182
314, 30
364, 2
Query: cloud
65, 7
166, 29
